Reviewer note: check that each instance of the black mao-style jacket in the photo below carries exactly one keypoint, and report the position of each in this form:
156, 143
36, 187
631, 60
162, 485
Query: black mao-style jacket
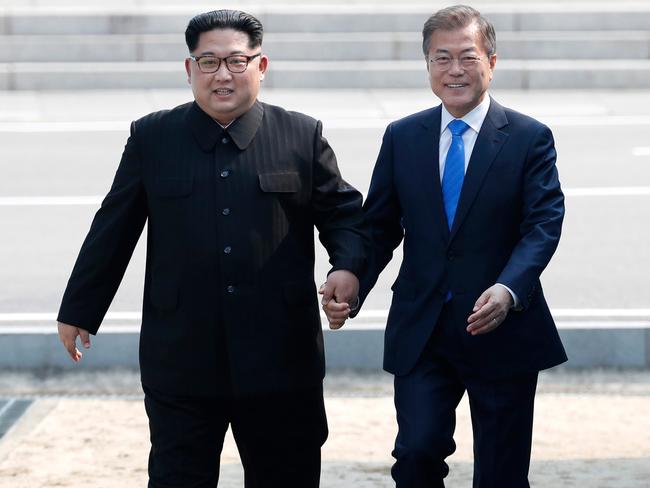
230, 303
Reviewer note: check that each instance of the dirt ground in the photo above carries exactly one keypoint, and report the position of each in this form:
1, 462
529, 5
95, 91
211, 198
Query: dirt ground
591, 430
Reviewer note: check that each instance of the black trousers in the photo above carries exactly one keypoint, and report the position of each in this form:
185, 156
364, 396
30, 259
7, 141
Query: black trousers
426, 401
278, 436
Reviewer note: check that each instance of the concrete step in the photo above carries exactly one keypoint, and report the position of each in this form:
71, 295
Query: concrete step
510, 74
591, 345
317, 18
321, 46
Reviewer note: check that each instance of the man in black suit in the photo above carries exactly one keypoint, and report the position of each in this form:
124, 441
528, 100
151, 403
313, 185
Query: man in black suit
472, 189
231, 190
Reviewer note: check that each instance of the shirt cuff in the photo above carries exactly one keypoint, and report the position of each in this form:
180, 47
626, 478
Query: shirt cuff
516, 304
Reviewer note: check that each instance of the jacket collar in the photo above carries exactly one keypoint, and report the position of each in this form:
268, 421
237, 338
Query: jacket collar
242, 131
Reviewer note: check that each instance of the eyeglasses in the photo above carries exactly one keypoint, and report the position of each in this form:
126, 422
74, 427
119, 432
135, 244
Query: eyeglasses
237, 63
443, 63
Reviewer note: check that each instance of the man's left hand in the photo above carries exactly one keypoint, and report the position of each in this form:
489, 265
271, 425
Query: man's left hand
490, 310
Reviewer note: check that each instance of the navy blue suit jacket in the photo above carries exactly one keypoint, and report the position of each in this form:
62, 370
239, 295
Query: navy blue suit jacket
506, 229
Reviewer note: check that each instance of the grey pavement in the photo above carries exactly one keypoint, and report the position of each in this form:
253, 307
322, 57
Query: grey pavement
590, 431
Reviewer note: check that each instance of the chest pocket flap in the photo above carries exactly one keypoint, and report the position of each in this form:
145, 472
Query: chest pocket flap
286, 182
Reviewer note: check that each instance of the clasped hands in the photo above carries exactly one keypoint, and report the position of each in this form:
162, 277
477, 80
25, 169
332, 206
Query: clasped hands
339, 292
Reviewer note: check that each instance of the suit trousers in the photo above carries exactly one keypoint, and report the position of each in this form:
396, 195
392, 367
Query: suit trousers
426, 400
278, 436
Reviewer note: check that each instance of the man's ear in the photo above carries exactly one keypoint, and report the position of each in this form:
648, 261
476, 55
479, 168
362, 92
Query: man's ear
263, 66
187, 70
493, 62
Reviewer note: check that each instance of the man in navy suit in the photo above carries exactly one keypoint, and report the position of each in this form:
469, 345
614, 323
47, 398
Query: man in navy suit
472, 189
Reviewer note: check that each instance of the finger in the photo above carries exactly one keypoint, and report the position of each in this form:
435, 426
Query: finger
73, 352
485, 325
481, 301
334, 309
485, 321
486, 311
327, 290
338, 315
84, 336
333, 306
336, 324
483, 330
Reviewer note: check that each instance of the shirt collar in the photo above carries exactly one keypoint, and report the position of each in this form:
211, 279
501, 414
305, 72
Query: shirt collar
474, 118
242, 130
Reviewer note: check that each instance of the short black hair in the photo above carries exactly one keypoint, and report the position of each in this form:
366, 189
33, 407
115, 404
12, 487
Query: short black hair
458, 17
224, 19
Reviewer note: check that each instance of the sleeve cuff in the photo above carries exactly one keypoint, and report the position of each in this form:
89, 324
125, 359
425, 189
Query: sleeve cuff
515, 299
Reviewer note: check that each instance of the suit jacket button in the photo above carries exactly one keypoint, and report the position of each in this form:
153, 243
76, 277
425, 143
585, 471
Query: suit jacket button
224, 140
227, 250
230, 289
225, 173
225, 211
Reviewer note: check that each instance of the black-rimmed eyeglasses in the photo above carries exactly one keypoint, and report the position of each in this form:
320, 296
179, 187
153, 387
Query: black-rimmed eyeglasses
237, 63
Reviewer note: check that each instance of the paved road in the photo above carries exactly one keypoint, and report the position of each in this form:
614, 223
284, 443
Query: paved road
68, 145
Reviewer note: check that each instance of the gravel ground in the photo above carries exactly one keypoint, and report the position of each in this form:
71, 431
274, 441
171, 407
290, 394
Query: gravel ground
85, 429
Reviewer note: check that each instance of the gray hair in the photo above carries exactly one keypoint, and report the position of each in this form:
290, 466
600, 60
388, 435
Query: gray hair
458, 17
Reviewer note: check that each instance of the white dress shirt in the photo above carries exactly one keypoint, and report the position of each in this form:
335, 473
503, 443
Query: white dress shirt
475, 120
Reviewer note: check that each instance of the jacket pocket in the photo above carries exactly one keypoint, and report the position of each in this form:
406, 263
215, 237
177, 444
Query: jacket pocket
287, 182
173, 187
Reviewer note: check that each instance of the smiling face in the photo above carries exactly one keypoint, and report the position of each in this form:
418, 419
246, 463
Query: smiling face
460, 89
223, 95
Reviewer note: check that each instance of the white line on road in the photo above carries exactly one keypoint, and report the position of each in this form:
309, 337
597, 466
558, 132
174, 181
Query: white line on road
558, 313
50, 201
608, 191
39, 317
641, 151
328, 123
87, 126
601, 312
601, 191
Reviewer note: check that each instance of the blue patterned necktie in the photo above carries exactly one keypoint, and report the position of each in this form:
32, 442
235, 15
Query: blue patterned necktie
454, 173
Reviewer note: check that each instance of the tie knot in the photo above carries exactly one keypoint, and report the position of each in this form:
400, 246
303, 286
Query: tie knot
457, 127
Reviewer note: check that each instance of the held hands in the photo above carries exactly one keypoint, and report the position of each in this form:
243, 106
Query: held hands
339, 291
68, 336
490, 310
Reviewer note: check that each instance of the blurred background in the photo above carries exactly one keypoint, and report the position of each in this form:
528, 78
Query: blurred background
73, 74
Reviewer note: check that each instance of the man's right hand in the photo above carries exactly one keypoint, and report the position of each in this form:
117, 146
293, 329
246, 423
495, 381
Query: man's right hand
68, 336
337, 313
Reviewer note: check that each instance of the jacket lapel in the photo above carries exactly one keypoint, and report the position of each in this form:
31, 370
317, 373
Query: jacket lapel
429, 170
488, 144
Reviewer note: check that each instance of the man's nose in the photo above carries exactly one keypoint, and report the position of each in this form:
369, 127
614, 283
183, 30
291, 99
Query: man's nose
456, 68
222, 73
